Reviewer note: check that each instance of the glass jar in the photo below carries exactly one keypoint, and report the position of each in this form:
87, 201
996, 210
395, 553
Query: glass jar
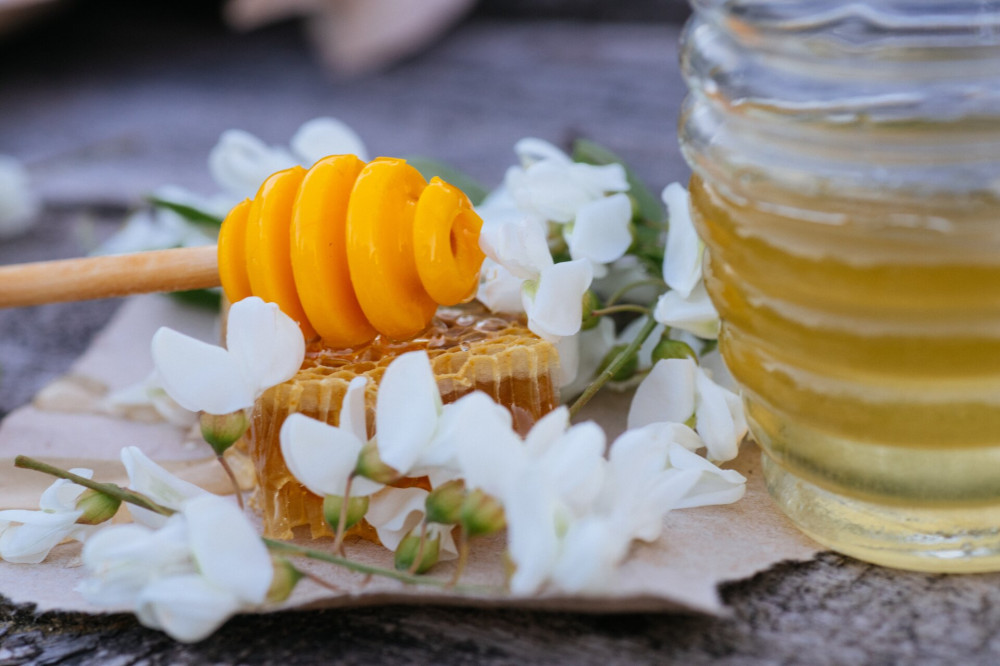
846, 181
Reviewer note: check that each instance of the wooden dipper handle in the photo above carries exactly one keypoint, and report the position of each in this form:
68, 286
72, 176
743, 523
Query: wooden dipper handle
108, 276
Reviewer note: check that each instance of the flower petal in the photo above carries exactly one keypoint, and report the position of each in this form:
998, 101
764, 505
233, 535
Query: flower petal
62, 494
548, 190
322, 457
122, 559
240, 162
227, 548
393, 512
38, 532
575, 466
546, 431
597, 180
520, 247
407, 410
590, 553
156, 483
266, 343
683, 254
188, 607
530, 150
532, 541
695, 314
200, 376
320, 137
715, 422
713, 485
500, 291
352, 411
494, 458
555, 309
667, 394
601, 230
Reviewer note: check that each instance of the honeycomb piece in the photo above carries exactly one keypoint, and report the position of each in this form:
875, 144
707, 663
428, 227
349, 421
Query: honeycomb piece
469, 348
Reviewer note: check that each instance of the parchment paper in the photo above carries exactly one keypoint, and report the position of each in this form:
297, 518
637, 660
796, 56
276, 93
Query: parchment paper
700, 548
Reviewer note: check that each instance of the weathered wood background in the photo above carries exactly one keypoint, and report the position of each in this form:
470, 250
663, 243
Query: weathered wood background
105, 110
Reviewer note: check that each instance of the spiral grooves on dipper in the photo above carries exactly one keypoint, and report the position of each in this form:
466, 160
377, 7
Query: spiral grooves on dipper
352, 250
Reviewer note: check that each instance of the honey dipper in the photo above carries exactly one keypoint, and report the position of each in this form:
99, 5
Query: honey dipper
347, 249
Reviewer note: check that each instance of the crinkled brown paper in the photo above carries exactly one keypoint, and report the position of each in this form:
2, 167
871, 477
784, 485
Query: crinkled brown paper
700, 548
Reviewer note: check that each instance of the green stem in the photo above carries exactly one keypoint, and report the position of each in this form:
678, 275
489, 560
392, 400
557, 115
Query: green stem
650, 282
110, 489
403, 577
338, 542
613, 367
232, 479
627, 307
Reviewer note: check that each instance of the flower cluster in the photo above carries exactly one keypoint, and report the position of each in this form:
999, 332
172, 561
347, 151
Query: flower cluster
562, 233
570, 512
186, 566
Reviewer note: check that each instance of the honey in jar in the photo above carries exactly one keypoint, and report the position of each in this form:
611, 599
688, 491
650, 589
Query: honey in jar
846, 161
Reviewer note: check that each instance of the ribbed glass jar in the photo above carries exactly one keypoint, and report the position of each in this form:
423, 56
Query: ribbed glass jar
846, 161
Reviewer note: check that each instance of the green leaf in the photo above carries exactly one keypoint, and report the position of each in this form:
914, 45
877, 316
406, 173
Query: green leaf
429, 168
650, 208
189, 213
203, 298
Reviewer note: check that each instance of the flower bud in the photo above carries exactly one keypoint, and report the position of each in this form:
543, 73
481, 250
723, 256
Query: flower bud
370, 465
668, 348
624, 373
357, 507
482, 514
285, 578
222, 430
591, 302
409, 548
444, 504
97, 507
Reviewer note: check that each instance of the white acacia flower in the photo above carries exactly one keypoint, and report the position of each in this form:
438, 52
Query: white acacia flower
187, 578
584, 353
26, 537
600, 233
322, 457
551, 186
545, 484
18, 202
395, 512
499, 289
695, 314
677, 390
322, 137
687, 305
240, 161
551, 293
682, 259
156, 483
264, 347
147, 397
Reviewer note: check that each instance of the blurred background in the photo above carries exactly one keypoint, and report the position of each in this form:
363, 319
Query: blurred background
105, 100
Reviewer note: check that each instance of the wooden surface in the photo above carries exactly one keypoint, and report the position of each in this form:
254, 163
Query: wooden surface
103, 113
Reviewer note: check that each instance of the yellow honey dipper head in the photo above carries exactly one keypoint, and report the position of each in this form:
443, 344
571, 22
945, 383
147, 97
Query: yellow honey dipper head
351, 250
